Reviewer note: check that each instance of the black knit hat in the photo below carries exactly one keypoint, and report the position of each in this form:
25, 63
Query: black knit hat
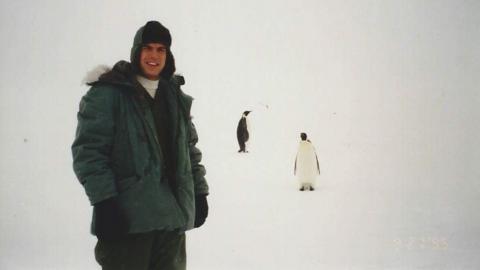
155, 32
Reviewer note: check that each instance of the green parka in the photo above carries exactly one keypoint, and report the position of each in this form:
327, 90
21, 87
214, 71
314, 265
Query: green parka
116, 153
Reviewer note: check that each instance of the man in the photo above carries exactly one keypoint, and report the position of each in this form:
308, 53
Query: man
306, 164
135, 155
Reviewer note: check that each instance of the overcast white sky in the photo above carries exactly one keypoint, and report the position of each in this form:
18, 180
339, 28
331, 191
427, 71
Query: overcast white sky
394, 81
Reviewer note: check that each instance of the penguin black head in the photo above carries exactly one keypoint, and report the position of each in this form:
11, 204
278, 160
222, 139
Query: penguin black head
303, 136
246, 112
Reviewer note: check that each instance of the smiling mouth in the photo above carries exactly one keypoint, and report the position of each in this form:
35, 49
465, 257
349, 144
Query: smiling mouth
152, 64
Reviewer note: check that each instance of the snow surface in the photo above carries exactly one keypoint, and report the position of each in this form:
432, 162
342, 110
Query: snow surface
386, 90
370, 210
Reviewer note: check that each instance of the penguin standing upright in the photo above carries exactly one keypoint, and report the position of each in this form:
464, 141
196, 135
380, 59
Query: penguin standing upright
242, 132
306, 164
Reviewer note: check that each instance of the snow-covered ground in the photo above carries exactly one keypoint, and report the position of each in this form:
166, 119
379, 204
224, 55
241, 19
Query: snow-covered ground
377, 206
386, 90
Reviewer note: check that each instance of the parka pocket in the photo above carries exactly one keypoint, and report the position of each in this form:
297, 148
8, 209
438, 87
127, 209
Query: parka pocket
127, 183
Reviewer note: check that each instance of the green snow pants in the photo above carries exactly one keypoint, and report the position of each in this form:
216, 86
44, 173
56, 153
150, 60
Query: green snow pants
157, 250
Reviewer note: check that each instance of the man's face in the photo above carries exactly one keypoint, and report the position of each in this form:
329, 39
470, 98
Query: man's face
152, 60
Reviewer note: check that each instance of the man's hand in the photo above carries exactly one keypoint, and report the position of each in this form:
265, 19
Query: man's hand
201, 210
110, 222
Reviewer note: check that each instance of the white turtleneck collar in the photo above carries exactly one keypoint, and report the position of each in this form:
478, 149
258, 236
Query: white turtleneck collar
149, 85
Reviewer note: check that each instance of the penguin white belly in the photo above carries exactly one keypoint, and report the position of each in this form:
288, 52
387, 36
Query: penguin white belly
306, 164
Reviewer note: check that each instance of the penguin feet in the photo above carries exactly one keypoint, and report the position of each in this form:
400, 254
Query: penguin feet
304, 188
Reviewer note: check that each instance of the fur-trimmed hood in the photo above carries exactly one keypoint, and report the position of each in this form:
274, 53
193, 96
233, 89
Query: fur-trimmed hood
122, 73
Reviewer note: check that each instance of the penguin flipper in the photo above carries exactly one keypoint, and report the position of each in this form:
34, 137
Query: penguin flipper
295, 166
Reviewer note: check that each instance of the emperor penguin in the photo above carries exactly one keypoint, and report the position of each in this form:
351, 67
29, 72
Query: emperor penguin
242, 132
306, 164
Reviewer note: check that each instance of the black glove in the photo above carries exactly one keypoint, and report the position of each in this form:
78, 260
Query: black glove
110, 222
201, 210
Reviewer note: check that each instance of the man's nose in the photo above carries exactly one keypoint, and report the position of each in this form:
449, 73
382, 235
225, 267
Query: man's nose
155, 55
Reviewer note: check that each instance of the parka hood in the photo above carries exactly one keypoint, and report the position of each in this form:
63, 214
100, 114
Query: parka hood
122, 73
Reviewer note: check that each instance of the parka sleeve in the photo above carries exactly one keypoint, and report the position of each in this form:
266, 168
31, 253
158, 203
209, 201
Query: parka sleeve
198, 170
93, 142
